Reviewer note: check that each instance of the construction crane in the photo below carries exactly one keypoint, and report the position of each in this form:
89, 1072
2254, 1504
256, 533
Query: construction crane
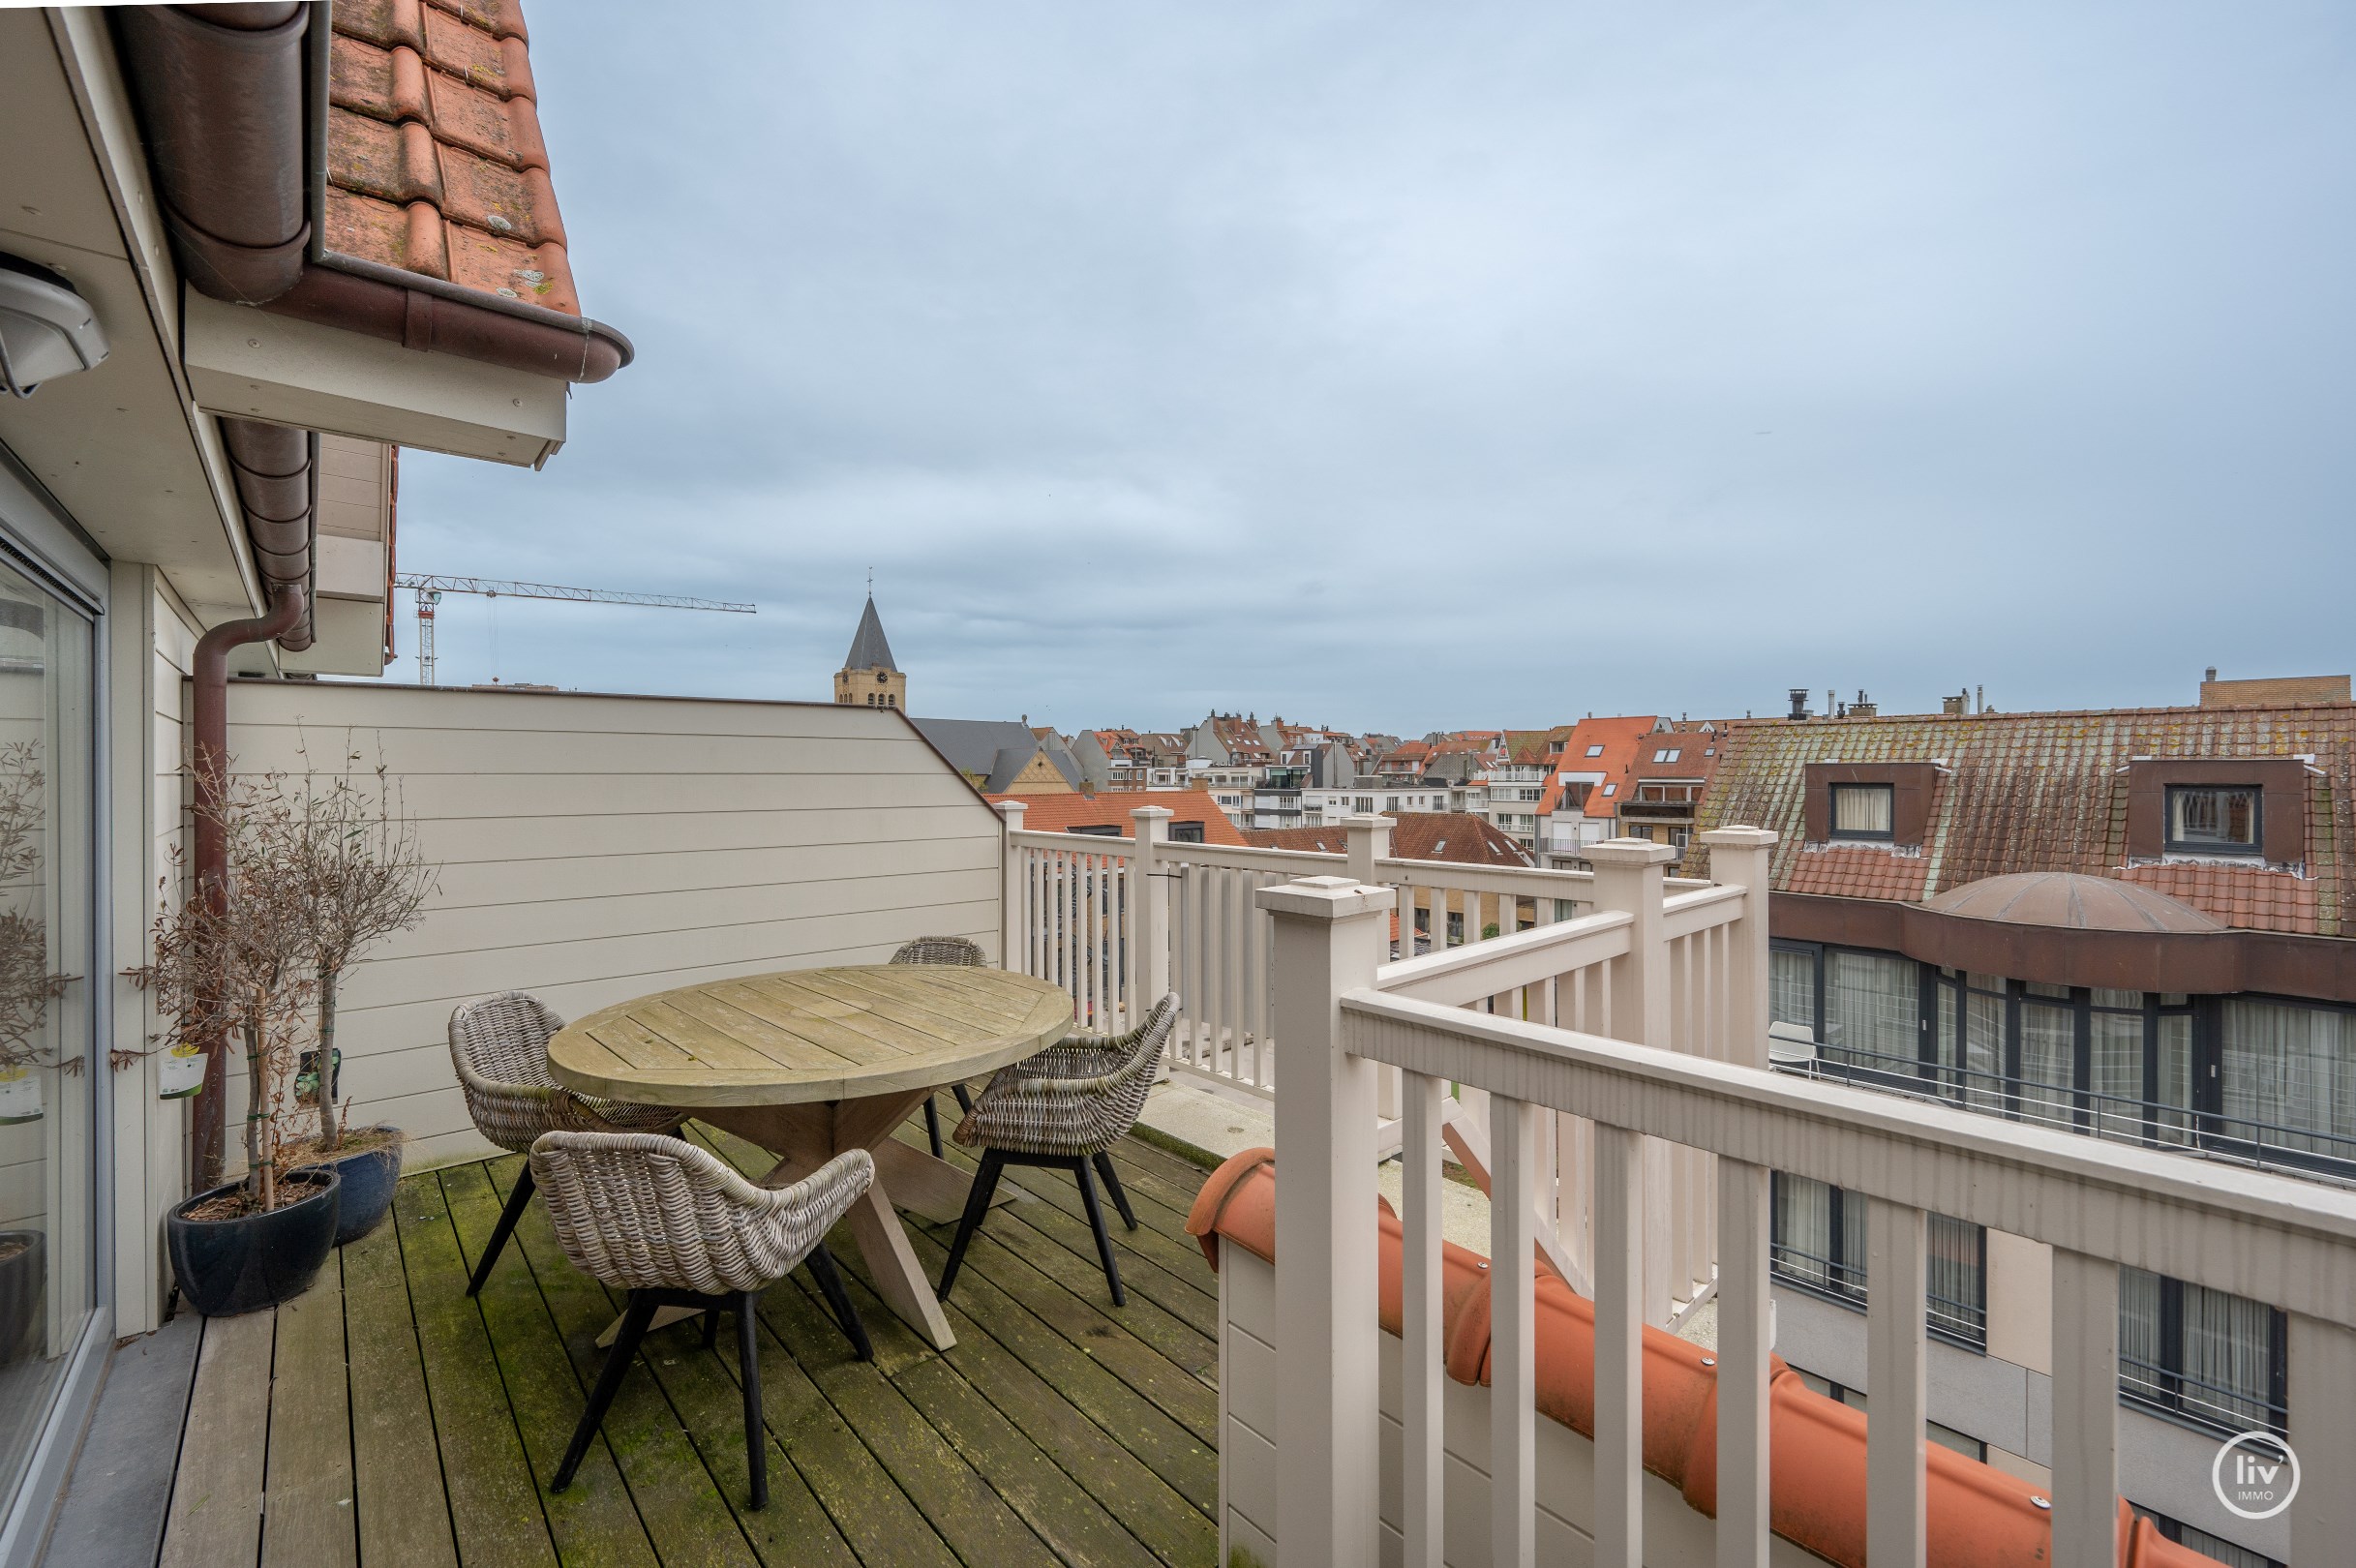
429, 589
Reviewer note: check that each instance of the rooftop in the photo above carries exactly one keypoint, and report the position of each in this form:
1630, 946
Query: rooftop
435, 159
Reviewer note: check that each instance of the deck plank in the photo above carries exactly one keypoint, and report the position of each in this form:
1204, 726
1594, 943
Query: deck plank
1017, 1428
215, 1500
689, 1499
307, 1497
594, 1521
405, 1516
1181, 1456
495, 1504
961, 1505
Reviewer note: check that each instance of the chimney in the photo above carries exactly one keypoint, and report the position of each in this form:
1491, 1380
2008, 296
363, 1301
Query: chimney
1980, 699
1865, 706
2211, 674
1953, 706
1800, 703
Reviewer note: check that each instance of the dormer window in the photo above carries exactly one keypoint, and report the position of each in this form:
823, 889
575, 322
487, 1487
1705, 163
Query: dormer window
2213, 819
1865, 811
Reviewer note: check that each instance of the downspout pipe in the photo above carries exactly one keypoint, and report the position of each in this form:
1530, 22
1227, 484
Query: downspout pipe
211, 856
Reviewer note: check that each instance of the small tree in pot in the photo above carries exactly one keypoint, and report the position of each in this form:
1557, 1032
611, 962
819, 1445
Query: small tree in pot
357, 871
240, 964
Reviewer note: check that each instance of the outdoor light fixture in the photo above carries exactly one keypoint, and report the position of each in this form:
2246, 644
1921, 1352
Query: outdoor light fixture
46, 329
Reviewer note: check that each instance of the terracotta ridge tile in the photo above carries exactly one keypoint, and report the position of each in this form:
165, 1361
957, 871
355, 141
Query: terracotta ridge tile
382, 22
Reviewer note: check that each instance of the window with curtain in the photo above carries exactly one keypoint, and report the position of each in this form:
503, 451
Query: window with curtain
1791, 986
1873, 1009
1862, 810
1817, 1239
2208, 818
2203, 1354
2048, 1059
2288, 1074
2115, 1062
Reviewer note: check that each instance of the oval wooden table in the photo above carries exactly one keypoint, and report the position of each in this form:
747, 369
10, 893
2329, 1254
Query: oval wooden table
807, 1063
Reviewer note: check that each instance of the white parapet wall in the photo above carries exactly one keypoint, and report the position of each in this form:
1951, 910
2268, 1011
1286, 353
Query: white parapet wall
596, 848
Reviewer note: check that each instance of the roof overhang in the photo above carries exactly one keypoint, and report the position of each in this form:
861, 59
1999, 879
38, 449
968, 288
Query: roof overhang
2203, 963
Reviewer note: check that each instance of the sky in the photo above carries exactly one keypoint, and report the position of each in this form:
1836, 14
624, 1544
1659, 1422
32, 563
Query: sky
1401, 368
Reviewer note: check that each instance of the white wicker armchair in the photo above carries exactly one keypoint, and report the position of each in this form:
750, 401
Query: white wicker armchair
499, 1047
1063, 1108
667, 1221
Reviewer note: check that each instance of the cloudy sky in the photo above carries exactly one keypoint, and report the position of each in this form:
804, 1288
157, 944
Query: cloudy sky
1403, 367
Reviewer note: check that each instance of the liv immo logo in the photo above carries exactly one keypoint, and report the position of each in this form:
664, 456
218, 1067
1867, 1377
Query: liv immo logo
2255, 1475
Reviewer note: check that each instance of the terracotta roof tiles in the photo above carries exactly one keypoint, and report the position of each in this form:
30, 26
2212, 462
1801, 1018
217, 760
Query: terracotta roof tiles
1061, 813
2048, 791
436, 162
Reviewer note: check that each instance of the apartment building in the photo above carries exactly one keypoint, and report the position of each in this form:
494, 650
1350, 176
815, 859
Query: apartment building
2133, 925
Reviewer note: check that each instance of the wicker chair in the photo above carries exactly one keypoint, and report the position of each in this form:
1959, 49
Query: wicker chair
500, 1045
666, 1221
1063, 1108
939, 949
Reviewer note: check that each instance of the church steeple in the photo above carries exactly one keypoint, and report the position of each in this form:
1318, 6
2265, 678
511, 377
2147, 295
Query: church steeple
868, 677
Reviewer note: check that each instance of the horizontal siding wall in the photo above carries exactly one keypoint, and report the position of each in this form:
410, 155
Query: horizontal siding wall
593, 849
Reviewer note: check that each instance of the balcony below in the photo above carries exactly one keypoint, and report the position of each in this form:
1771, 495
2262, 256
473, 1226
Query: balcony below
385, 1419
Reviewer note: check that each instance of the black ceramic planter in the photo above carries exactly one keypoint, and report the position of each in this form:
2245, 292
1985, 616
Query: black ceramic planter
25, 1279
368, 1179
231, 1266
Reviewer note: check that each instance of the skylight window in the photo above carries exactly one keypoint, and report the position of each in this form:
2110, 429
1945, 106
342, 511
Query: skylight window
1610, 789
1669, 754
1594, 751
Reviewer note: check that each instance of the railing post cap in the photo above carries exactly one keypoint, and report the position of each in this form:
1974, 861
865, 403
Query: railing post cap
1740, 838
1369, 819
1012, 810
1630, 852
1326, 898
1163, 811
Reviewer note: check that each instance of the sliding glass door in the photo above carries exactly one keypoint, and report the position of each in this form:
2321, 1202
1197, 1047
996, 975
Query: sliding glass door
47, 1067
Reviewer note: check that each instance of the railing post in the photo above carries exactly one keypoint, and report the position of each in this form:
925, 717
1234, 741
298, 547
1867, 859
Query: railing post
1013, 933
2323, 1368
1329, 937
1740, 856
1896, 1300
1629, 875
1620, 1347
2085, 1411
1743, 1364
1148, 963
1369, 845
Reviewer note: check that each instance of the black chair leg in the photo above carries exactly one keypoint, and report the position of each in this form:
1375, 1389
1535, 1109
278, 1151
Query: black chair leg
1096, 1222
499, 1232
965, 1098
634, 1320
830, 1282
977, 1205
932, 1126
748, 1367
1112, 1185
712, 1322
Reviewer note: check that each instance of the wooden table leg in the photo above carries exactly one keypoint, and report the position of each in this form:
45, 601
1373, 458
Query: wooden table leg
804, 1137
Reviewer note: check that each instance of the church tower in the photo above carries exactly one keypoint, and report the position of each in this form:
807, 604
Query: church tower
868, 678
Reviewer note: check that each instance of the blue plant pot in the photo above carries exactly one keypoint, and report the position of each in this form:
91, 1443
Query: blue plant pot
368, 1178
231, 1266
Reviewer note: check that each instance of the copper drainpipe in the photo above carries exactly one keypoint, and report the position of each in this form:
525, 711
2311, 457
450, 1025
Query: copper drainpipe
211, 671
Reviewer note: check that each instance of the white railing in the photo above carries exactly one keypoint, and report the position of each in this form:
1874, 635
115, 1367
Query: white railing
1705, 1119
1195, 925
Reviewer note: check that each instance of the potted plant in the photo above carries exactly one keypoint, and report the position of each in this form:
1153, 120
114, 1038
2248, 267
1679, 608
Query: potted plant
235, 960
360, 878
28, 984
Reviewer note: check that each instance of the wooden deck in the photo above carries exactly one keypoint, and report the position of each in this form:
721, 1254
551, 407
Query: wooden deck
386, 1420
